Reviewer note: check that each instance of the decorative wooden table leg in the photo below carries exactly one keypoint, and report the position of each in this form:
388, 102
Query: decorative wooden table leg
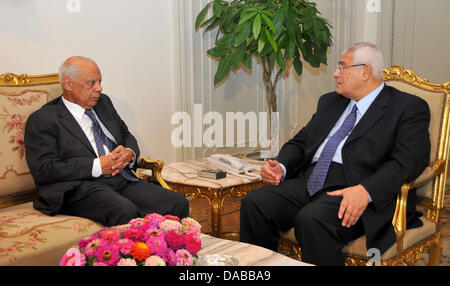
216, 198
216, 206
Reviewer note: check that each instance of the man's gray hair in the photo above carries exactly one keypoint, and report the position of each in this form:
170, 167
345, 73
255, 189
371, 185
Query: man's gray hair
368, 53
70, 68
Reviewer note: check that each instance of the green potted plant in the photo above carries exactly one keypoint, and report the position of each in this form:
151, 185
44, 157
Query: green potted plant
278, 33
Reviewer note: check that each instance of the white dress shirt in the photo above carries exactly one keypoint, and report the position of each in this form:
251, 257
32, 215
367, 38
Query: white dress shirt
362, 106
86, 125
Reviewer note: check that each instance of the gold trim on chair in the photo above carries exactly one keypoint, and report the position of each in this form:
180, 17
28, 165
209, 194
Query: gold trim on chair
156, 166
410, 77
10, 79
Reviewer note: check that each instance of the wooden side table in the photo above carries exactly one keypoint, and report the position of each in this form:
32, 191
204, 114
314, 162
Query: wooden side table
183, 178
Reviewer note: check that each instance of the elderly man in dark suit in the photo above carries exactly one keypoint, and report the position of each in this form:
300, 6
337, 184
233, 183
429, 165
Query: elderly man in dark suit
80, 154
338, 177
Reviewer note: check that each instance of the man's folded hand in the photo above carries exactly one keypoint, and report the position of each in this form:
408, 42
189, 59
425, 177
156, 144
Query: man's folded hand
121, 157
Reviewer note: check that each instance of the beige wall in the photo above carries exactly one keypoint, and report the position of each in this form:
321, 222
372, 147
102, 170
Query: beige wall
421, 38
132, 42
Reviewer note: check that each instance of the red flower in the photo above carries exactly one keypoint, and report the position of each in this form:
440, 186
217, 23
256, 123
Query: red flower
192, 243
135, 234
175, 239
140, 251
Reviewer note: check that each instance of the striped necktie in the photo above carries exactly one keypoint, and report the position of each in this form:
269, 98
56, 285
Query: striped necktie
101, 140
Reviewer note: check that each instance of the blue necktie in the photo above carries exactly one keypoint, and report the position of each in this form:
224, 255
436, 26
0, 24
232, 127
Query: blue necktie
101, 139
319, 173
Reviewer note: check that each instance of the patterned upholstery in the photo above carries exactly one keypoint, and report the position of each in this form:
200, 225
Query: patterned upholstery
16, 104
27, 236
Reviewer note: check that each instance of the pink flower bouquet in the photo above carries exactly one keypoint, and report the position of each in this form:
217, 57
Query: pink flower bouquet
154, 240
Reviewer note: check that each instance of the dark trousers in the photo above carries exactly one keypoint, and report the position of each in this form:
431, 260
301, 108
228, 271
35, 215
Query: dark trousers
267, 211
114, 200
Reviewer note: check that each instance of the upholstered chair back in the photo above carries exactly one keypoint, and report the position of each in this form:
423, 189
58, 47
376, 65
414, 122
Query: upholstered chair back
437, 97
19, 97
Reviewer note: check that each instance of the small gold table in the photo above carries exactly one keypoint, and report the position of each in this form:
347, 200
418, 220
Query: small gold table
183, 178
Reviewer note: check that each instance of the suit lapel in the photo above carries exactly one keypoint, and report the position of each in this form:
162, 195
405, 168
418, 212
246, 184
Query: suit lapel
105, 117
328, 120
372, 115
72, 126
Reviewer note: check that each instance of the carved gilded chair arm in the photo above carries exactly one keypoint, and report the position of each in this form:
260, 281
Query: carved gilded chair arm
156, 167
399, 219
430, 172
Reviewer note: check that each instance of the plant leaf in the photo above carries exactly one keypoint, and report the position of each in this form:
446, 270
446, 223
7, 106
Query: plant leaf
308, 24
226, 41
247, 17
290, 51
223, 69
257, 26
271, 40
253, 9
269, 23
261, 45
290, 26
248, 61
268, 13
272, 60
280, 61
278, 22
298, 66
282, 41
217, 52
237, 57
244, 32
213, 25
201, 16
218, 9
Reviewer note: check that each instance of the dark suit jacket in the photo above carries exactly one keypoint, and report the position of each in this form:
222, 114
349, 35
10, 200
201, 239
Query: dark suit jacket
389, 146
60, 155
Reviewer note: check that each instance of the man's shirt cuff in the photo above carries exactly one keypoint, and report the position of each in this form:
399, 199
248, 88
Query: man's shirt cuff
96, 168
284, 172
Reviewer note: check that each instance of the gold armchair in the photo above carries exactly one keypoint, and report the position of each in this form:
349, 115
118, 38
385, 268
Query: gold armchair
156, 167
430, 185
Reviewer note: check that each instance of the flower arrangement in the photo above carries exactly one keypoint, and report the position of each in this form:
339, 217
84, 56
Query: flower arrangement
154, 240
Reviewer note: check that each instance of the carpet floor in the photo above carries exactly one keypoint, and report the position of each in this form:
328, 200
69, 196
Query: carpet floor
230, 222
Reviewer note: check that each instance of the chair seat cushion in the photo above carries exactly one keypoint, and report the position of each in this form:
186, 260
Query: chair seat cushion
358, 247
412, 236
29, 237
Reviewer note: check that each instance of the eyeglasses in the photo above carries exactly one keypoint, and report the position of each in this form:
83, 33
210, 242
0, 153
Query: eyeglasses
341, 68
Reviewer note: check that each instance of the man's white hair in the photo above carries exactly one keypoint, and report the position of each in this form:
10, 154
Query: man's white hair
367, 53
70, 68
